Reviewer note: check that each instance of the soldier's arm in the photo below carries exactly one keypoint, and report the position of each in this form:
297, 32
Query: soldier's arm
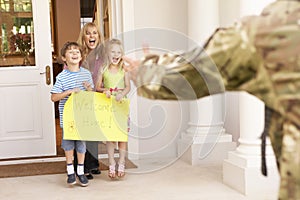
224, 63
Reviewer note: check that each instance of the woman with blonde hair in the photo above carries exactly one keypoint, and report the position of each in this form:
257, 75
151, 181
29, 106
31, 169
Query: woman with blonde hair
93, 56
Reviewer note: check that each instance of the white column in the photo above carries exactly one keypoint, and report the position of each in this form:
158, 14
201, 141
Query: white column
116, 17
203, 19
253, 7
232, 11
242, 169
205, 140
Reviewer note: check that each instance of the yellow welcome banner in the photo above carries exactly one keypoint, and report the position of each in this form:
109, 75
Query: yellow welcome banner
91, 116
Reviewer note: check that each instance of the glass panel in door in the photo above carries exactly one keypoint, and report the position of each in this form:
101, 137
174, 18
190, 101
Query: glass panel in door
17, 33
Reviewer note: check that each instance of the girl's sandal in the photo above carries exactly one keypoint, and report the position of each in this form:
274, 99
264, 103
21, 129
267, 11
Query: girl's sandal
112, 172
121, 170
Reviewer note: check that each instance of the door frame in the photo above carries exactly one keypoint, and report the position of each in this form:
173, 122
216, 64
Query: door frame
122, 22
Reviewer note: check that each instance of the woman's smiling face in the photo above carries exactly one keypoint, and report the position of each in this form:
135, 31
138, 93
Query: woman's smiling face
91, 37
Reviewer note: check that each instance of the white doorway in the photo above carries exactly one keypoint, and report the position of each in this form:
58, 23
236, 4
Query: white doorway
26, 111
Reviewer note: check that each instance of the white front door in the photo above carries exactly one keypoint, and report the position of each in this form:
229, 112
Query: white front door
27, 127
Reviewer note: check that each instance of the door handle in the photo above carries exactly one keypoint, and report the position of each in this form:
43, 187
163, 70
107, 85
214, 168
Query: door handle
48, 75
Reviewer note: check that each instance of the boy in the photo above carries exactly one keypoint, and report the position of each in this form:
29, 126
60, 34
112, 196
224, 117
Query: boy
72, 79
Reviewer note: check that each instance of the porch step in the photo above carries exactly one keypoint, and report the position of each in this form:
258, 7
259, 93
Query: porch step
43, 166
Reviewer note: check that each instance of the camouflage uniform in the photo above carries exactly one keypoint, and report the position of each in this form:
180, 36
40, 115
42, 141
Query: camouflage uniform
260, 55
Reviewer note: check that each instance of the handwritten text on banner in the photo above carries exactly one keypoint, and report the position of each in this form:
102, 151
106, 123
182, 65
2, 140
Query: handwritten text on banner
91, 116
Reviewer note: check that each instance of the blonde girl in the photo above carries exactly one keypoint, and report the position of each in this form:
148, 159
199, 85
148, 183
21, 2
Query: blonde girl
115, 81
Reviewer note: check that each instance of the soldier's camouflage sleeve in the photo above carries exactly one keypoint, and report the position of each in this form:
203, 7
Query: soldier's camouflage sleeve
225, 62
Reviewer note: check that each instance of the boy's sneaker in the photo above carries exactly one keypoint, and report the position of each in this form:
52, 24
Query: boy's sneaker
71, 179
83, 181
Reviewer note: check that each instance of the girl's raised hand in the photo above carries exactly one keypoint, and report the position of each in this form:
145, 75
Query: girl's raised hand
131, 66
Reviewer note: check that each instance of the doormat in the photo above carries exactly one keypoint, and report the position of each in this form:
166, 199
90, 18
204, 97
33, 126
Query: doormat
43, 168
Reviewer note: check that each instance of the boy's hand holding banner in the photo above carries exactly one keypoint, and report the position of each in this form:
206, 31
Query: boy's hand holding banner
91, 116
